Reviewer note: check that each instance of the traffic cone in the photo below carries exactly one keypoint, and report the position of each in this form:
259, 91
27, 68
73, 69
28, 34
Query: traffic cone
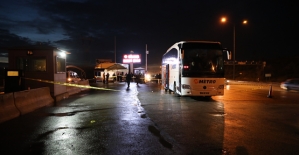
270, 92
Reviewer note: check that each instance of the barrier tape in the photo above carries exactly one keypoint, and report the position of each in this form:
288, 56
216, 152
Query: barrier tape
69, 84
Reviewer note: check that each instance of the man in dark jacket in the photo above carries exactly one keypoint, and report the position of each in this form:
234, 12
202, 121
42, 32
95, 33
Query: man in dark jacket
128, 79
107, 78
138, 79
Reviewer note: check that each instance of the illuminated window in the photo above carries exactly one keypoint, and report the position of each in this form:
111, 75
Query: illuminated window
32, 64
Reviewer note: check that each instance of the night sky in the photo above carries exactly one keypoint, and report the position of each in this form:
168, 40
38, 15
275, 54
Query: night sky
93, 29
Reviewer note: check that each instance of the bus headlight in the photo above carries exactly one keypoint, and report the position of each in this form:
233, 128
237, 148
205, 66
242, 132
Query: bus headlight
185, 86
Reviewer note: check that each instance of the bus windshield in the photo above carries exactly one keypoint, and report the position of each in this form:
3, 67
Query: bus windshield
202, 63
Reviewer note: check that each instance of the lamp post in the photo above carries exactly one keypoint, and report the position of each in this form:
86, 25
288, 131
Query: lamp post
131, 64
224, 20
234, 48
146, 53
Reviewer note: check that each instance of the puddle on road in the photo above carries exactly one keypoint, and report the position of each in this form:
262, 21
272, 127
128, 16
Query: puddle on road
156, 132
143, 115
217, 113
62, 114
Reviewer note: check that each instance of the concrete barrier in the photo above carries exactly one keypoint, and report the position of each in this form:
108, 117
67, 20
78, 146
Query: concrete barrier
84, 83
60, 97
8, 110
72, 90
30, 100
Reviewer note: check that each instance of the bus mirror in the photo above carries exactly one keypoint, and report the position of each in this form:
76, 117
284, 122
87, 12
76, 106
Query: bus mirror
228, 53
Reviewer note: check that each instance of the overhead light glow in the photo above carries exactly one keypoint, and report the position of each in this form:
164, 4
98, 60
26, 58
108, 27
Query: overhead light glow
62, 54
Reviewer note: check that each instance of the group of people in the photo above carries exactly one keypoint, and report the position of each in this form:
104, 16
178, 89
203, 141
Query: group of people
106, 78
129, 78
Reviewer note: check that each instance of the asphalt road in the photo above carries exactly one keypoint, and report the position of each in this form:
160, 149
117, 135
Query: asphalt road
148, 120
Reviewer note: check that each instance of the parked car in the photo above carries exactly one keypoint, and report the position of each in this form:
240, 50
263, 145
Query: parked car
72, 77
98, 78
290, 84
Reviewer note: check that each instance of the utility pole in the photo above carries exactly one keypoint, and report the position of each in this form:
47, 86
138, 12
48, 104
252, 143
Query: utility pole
114, 49
146, 53
234, 41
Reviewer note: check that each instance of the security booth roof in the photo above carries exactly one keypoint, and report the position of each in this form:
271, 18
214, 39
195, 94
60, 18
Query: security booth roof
116, 66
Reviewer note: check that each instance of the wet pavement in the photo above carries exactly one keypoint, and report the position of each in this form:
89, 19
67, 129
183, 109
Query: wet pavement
93, 122
148, 120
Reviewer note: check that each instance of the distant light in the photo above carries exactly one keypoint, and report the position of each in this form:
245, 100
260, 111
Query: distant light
244, 21
223, 19
147, 77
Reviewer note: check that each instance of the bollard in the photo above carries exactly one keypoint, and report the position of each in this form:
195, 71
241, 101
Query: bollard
270, 92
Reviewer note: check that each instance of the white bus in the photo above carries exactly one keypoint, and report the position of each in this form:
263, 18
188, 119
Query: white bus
194, 68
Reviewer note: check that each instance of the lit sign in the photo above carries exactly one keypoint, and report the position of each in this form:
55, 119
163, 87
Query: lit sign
12, 73
131, 58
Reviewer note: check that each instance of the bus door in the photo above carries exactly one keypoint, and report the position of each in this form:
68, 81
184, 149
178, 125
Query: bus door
167, 77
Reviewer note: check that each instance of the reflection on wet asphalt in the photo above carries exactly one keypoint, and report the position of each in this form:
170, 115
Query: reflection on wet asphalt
94, 122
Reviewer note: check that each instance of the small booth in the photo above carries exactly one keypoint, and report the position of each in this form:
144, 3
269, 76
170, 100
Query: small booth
139, 70
41, 66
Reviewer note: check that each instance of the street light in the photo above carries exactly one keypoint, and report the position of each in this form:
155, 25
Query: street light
224, 20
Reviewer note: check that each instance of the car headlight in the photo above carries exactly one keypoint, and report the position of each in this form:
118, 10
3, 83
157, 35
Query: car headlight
147, 77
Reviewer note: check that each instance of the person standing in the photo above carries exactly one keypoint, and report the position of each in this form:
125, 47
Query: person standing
103, 77
128, 79
107, 78
138, 75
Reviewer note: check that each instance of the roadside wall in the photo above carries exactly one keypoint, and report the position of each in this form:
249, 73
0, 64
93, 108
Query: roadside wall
30, 100
75, 89
8, 110
84, 83
13, 105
